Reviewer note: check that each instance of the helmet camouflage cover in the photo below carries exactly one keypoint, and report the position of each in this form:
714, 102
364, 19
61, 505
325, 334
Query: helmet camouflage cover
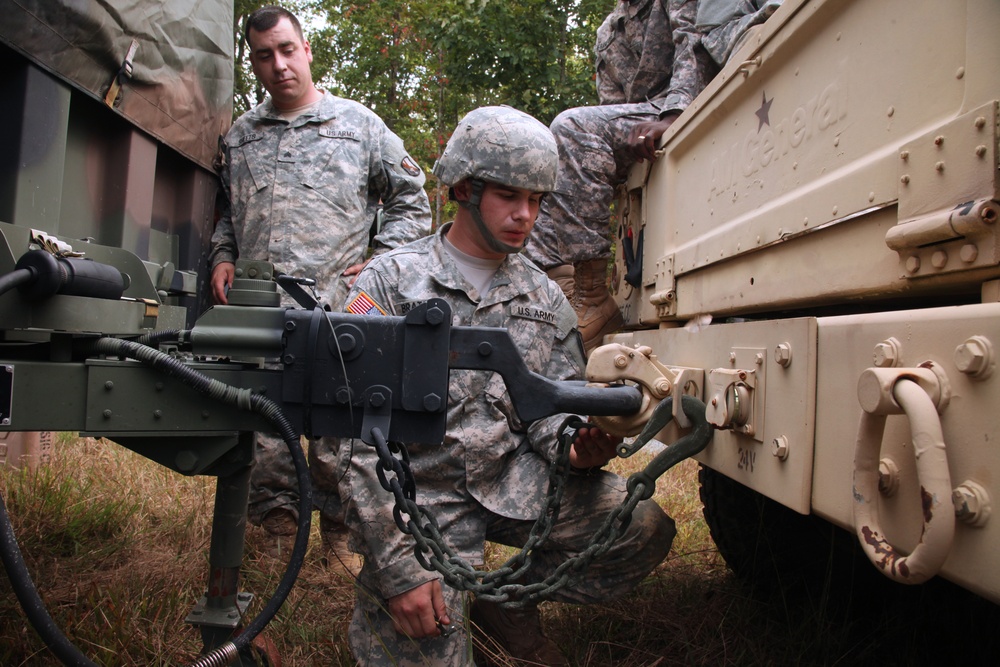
500, 145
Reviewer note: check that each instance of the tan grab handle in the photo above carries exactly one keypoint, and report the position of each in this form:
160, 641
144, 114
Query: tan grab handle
938, 530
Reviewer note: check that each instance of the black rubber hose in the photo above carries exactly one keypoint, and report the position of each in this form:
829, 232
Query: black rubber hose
154, 339
31, 602
15, 278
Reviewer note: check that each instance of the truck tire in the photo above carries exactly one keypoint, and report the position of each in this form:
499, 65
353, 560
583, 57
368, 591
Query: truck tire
776, 550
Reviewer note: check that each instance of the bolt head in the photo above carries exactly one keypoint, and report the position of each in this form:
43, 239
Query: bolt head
888, 477
962, 499
884, 355
346, 342
779, 447
970, 357
969, 253
435, 315
783, 355
432, 402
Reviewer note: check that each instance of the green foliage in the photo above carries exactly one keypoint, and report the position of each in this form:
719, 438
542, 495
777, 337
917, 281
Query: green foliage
535, 55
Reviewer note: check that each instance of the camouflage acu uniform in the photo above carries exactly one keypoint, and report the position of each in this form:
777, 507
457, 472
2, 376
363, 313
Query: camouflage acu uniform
304, 195
489, 478
648, 66
723, 23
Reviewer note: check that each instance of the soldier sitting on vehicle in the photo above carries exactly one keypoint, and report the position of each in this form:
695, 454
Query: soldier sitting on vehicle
641, 92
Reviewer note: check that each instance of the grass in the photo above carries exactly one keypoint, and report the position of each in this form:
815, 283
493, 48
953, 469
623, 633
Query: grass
117, 546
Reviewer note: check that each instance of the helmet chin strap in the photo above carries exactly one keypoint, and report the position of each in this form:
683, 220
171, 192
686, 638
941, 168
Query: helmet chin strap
472, 205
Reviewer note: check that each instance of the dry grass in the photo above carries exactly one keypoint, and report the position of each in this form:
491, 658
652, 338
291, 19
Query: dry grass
118, 549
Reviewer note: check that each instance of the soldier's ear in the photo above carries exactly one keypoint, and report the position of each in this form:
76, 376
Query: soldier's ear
460, 191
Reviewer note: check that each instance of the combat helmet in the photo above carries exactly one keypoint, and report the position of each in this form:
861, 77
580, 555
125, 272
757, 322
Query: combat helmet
499, 145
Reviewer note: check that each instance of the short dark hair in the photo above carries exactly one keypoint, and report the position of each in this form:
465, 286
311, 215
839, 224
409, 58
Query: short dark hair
266, 18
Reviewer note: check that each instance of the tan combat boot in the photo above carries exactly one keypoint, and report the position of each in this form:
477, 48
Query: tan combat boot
280, 525
562, 275
335, 542
516, 632
596, 312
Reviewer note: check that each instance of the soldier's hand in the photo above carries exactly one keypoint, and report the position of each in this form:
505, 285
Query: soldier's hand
645, 137
416, 612
352, 272
222, 278
593, 448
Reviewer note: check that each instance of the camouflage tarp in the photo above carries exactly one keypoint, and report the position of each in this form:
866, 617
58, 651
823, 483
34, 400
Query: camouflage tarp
181, 84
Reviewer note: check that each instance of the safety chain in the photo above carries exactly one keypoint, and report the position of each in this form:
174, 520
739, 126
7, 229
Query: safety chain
498, 585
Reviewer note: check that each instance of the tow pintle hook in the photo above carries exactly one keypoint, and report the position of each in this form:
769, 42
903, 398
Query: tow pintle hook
616, 363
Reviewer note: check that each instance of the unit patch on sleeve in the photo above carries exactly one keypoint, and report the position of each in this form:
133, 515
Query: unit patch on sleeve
410, 167
363, 304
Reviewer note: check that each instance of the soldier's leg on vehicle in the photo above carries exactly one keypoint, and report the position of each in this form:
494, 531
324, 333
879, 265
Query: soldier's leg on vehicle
572, 224
376, 643
571, 238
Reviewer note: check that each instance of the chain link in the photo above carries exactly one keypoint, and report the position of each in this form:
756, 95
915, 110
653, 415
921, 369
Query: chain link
433, 553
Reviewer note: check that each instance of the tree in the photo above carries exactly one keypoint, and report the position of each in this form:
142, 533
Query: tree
535, 55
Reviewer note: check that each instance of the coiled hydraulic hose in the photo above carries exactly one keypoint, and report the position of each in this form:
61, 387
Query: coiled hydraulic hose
244, 399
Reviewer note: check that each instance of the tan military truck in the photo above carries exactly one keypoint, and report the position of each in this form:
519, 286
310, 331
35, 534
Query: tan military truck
816, 256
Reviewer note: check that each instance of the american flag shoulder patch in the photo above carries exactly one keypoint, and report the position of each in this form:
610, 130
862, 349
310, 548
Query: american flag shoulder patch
363, 304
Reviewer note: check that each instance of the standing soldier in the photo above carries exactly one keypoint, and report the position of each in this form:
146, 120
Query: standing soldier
305, 173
